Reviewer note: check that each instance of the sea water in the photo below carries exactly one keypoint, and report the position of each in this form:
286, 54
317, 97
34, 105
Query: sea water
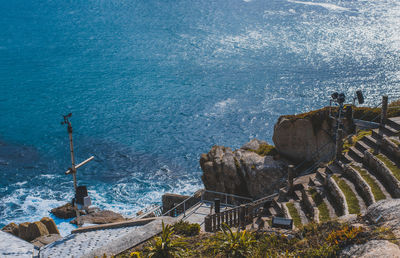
153, 84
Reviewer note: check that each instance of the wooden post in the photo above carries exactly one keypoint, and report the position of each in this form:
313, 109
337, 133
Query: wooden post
214, 222
339, 144
207, 224
242, 217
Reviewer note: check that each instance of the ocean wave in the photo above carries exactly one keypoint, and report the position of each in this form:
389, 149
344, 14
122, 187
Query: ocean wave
324, 5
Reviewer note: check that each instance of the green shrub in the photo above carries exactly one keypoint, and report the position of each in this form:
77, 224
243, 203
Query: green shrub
235, 244
163, 246
187, 229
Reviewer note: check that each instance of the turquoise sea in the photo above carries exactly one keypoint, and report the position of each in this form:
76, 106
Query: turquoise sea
152, 84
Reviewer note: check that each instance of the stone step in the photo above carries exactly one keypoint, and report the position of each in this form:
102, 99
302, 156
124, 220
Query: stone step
334, 169
355, 154
300, 210
388, 181
361, 203
389, 130
362, 146
369, 141
346, 158
323, 193
394, 123
314, 216
375, 180
361, 186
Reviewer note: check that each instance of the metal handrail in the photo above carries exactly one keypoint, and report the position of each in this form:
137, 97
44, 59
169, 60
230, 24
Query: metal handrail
184, 202
226, 196
147, 212
179, 204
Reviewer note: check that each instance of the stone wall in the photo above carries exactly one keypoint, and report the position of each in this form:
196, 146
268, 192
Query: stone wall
360, 184
391, 147
384, 172
339, 198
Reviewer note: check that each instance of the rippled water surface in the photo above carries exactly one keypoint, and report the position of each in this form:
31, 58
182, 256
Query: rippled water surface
153, 84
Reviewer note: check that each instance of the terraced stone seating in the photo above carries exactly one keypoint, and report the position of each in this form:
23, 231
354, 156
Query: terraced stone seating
367, 173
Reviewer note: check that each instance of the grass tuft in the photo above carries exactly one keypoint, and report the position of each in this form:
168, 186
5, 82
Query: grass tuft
395, 142
351, 198
375, 189
294, 214
266, 150
321, 205
354, 139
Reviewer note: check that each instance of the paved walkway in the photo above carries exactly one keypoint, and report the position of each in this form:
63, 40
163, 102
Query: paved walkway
99, 240
104, 241
11, 246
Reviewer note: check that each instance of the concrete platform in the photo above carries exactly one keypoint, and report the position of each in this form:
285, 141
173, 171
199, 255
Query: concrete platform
11, 246
109, 241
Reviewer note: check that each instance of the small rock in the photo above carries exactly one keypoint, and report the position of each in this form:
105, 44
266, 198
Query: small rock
100, 217
11, 228
50, 225
45, 240
66, 211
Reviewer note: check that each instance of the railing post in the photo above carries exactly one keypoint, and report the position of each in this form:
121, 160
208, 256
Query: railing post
214, 222
217, 205
208, 223
242, 216
218, 220
339, 145
184, 209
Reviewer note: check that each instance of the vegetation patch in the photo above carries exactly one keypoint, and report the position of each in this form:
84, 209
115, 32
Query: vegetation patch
317, 117
395, 169
186, 229
348, 143
313, 240
395, 142
294, 214
373, 114
351, 198
375, 189
321, 205
266, 150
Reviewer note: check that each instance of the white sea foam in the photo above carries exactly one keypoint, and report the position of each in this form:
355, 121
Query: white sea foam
329, 6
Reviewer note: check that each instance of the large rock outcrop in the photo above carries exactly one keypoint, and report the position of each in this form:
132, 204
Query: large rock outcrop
38, 233
243, 171
372, 249
385, 213
309, 136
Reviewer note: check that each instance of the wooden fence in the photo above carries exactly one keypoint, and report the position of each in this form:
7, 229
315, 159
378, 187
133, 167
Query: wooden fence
239, 216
